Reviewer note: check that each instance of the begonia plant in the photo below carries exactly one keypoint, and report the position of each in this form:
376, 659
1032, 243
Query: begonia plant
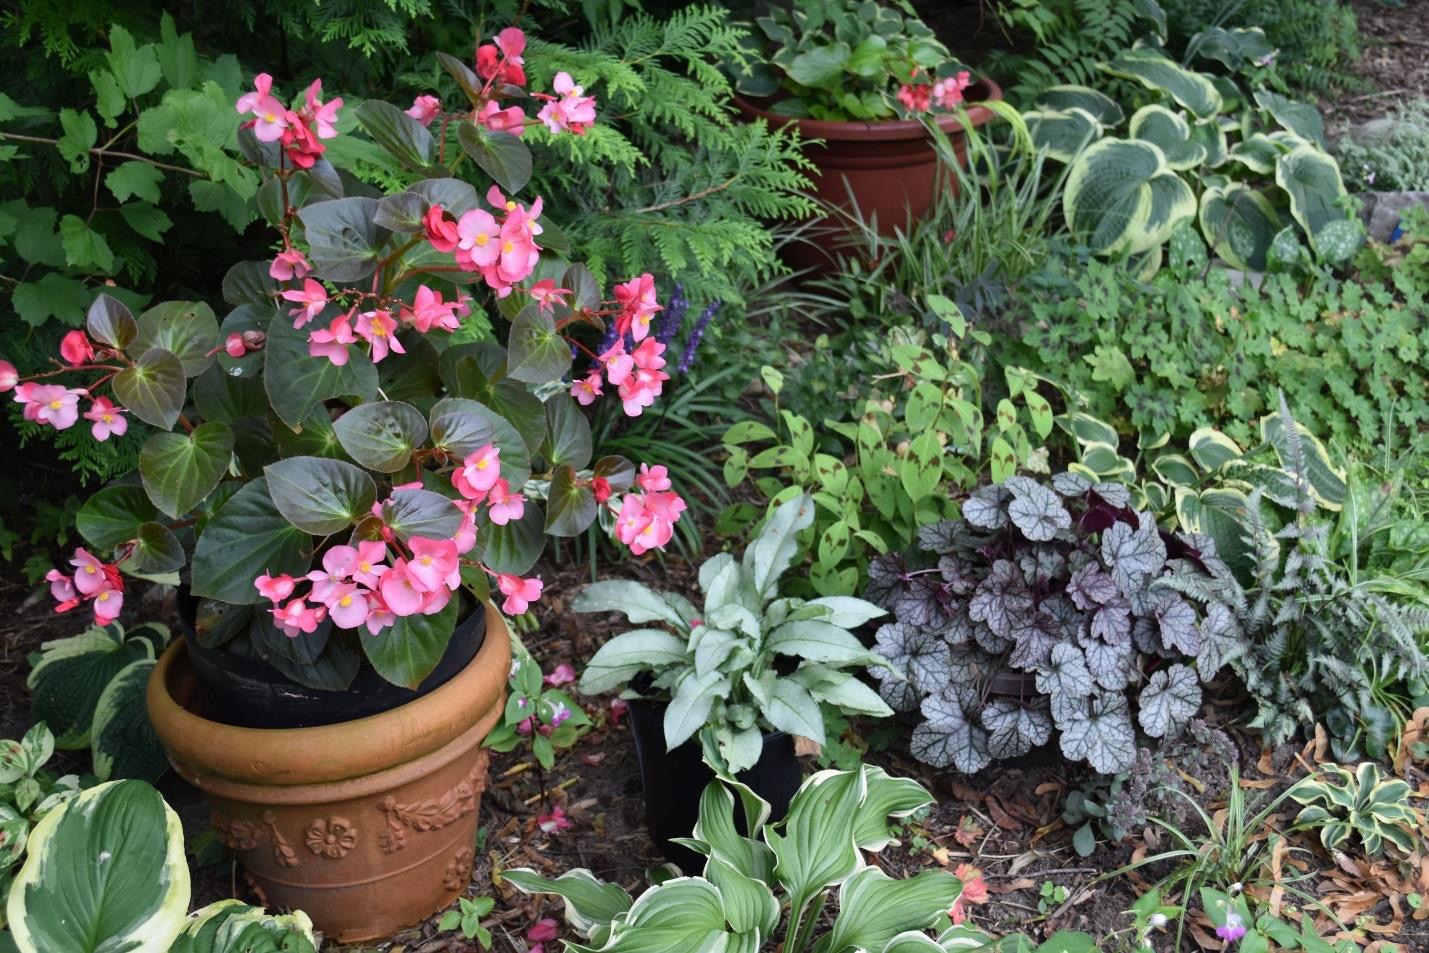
332, 463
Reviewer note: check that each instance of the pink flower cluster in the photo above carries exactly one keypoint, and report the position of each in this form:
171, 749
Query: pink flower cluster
479, 481
571, 110
945, 93
501, 61
58, 407
647, 520
504, 250
637, 374
300, 129
93, 581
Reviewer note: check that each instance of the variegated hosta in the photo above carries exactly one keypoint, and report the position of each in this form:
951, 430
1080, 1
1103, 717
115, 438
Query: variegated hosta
717, 665
1343, 805
1069, 587
784, 873
1175, 164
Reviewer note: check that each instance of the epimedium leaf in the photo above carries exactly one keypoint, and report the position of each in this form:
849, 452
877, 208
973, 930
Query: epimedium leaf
499, 154
570, 504
320, 496
406, 652
398, 133
186, 328
417, 512
381, 435
1169, 700
179, 470
110, 322
114, 515
153, 388
343, 238
297, 382
460, 426
247, 537
536, 351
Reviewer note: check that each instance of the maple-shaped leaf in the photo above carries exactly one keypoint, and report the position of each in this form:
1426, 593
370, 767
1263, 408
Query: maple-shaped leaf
1169, 700
1134, 555
1103, 736
1036, 510
1090, 587
1221, 640
926, 603
1001, 600
1063, 617
1014, 729
885, 579
1176, 621
1112, 621
987, 506
1117, 494
1033, 640
1070, 484
1042, 564
947, 738
919, 655
1112, 666
897, 692
1065, 673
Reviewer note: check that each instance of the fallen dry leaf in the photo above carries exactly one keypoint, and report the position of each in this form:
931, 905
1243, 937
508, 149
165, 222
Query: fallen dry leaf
1414, 732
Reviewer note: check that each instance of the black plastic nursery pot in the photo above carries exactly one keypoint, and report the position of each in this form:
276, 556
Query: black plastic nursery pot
247, 692
674, 780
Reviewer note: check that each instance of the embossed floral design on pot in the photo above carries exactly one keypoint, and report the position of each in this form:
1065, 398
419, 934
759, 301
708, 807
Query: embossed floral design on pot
331, 837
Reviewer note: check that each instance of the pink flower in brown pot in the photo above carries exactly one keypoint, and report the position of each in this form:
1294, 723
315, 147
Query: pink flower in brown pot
331, 838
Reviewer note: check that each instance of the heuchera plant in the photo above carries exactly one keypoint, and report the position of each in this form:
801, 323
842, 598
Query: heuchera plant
1076, 596
347, 457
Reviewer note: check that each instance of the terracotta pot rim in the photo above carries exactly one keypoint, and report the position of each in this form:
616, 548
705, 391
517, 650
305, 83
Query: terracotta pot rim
270, 757
985, 89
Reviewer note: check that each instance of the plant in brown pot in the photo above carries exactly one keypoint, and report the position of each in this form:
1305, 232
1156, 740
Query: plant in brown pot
345, 471
868, 81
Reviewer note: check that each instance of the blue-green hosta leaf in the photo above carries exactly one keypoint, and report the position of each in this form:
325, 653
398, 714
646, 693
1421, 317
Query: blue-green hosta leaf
874, 907
71, 674
1101, 107
590, 903
1171, 133
1151, 68
1036, 510
840, 690
125, 745
817, 642
1210, 136
1122, 196
1240, 223
1259, 153
1014, 729
1134, 555
947, 738
916, 654
1236, 48
230, 925
1311, 178
847, 612
1061, 134
1169, 700
792, 710
1302, 119
1103, 736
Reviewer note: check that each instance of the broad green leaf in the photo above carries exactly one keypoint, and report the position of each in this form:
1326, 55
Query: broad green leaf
1317, 194
417, 512
113, 515
499, 154
1303, 119
85, 249
461, 426
179, 470
156, 551
52, 296
398, 133
1122, 196
1169, 132
570, 504
135, 179
185, 328
66, 682
515, 546
80, 135
135, 67
792, 710
320, 496
110, 322
816, 848
589, 902
819, 64
874, 907
690, 703
406, 652
536, 351
343, 239
298, 382
154, 388
1061, 134
381, 435
1194, 91
1212, 449
1240, 223
628, 653
1101, 107
568, 440
246, 538
125, 745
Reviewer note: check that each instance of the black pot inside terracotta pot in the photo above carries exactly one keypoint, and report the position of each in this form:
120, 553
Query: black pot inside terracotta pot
674, 780
246, 691
1021, 687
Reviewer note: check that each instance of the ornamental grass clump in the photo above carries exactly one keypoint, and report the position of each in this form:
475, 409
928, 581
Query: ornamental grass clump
330, 465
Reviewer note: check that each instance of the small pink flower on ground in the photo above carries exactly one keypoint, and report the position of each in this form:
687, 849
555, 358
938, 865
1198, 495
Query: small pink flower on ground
510, 120
49, 404
311, 299
478, 473
441, 230
563, 674
519, 593
653, 478
332, 342
275, 588
974, 892
234, 346
587, 389
546, 295
544, 931
107, 419
1233, 929
505, 506
554, 822
76, 349
637, 306
559, 714
425, 108
380, 330
9, 377
618, 709
288, 265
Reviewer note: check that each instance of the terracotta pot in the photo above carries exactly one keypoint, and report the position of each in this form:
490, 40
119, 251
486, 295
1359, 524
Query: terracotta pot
891, 169
369, 826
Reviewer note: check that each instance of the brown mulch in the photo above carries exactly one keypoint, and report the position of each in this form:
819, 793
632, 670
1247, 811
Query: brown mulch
1395, 62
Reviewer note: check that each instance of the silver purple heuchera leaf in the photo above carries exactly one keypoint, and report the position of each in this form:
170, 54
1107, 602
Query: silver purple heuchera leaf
1114, 493
986, 507
1112, 621
1071, 484
919, 655
1033, 640
1014, 729
1001, 600
1221, 640
1176, 621
898, 693
1169, 700
1103, 735
947, 738
885, 579
1134, 555
1113, 666
1042, 564
1090, 587
1036, 510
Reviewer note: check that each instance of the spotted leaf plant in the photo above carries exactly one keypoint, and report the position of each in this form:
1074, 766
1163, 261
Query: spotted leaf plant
728, 664
1048, 607
345, 460
778, 879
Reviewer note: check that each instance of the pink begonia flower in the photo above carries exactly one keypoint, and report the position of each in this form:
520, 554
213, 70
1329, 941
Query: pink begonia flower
270, 117
503, 60
379, 329
288, 265
434, 564
916, 97
332, 342
465, 536
9, 377
275, 588
429, 311
519, 593
563, 674
505, 506
618, 708
297, 617
546, 295
311, 299
510, 120
76, 349
544, 931
299, 142
400, 591
62, 589
320, 114
425, 108
368, 568
948, 92
637, 306
640, 389
107, 418
49, 404
648, 522
586, 390
647, 355
107, 603
554, 822
379, 616
572, 112
234, 346
600, 488
435, 601
478, 240
618, 364
653, 478
443, 232
478, 473
347, 606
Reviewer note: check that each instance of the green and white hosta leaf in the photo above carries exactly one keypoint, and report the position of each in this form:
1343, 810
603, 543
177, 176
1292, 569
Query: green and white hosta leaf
1212, 449
874, 908
715, 828
1235, 48
125, 745
639, 603
1169, 132
615, 662
776, 546
1258, 153
105, 873
749, 905
230, 926
887, 797
1327, 481
590, 903
1151, 68
1102, 108
1121, 196
1302, 119
1061, 134
1210, 136
816, 848
71, 674
686, 913
1311, 178
1240, 223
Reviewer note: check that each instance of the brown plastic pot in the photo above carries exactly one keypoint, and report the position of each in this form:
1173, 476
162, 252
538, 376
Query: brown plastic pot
889, 168
368, 826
